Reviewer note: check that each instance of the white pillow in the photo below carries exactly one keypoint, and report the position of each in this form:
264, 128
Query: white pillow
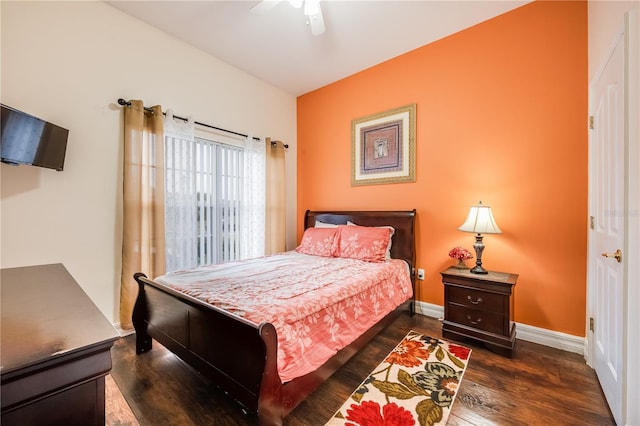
391, 232
324, 225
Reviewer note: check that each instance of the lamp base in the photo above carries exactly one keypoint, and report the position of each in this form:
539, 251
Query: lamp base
479, 248
478, 269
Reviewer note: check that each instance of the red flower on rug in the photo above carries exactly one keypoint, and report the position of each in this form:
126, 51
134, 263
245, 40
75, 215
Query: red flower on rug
416, 384
368, 414
409, 353
459, 351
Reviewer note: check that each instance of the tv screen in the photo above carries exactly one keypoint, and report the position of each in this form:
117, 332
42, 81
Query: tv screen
26, 139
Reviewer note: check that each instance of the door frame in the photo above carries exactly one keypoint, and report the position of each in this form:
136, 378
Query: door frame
629, 29
631, 408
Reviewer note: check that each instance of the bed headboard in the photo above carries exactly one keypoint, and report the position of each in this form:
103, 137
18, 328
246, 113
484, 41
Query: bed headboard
403, 221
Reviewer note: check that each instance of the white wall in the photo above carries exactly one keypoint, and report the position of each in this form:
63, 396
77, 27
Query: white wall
69, 62
606, 19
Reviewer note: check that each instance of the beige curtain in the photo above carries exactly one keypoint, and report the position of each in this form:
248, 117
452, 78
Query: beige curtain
275, 237
143, 202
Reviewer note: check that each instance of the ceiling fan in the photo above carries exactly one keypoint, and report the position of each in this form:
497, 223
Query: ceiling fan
312, 11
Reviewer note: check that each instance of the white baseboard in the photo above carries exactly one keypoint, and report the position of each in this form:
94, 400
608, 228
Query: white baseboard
429, 310
122, 331
554, 339
542, 336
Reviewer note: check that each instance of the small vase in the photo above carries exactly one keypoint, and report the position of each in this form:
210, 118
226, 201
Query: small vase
461, 264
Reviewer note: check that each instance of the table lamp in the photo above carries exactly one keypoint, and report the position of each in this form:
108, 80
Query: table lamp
480, 221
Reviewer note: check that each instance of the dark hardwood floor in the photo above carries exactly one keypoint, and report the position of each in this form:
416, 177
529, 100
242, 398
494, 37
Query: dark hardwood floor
538, 386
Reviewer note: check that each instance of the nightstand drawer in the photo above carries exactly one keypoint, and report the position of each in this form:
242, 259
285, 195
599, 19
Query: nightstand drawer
476, 299
475, 318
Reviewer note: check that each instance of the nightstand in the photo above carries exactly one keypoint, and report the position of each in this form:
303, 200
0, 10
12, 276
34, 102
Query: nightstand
480, 306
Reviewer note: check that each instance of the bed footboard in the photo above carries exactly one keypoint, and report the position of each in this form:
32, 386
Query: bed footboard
234, 353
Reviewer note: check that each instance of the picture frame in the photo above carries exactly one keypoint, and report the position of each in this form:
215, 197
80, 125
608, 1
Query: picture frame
383, 147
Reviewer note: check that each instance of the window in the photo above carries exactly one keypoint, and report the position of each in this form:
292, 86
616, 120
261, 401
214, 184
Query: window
209, 202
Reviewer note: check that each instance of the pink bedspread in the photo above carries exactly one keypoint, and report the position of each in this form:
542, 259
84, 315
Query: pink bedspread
318, 305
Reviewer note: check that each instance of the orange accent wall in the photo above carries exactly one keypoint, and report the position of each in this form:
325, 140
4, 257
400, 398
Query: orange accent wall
502, 118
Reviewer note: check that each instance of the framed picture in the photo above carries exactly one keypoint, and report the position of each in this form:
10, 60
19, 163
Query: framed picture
383, 147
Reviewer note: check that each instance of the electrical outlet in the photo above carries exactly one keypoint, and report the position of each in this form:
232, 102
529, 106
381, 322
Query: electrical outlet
421, 274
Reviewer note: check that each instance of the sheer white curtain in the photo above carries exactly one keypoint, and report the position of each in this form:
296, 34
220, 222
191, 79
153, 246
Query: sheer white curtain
215, 197
252, 216
181, 196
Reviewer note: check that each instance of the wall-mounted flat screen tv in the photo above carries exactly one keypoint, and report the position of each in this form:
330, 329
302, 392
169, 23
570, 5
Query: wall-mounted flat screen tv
29, 140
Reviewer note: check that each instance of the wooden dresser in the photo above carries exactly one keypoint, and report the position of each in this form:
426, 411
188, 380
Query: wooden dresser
480, 306
54, 349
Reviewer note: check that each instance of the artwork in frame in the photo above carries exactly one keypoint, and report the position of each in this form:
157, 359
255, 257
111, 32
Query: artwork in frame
383, 147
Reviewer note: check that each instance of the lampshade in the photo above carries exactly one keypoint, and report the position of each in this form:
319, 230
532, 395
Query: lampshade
480, 221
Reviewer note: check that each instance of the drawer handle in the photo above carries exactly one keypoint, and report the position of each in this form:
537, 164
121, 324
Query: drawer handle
478, 321
475, 302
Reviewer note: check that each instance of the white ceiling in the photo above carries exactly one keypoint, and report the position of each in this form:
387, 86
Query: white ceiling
278, 46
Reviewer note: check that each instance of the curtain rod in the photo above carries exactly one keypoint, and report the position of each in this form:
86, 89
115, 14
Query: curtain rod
273, 143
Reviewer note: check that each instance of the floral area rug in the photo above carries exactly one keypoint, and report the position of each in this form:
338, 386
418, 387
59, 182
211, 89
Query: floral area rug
415, 385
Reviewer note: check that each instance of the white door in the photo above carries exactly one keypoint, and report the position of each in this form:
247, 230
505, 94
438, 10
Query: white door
607, 234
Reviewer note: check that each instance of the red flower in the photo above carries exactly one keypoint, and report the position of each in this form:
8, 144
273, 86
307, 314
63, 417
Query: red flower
368, 414
460, 253
408, 353
460, 351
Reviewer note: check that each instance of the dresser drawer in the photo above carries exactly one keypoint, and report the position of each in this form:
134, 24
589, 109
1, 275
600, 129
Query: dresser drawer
476, 299
475, 318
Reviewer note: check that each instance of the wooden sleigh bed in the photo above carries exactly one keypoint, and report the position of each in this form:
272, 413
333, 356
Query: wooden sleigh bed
241, 356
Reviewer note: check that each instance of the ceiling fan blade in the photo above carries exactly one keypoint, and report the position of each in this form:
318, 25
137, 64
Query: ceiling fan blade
312, 7
316, 22
264, 6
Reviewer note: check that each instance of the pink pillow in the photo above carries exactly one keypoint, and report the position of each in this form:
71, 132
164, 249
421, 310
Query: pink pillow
392, 231
363, 242
319, 242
